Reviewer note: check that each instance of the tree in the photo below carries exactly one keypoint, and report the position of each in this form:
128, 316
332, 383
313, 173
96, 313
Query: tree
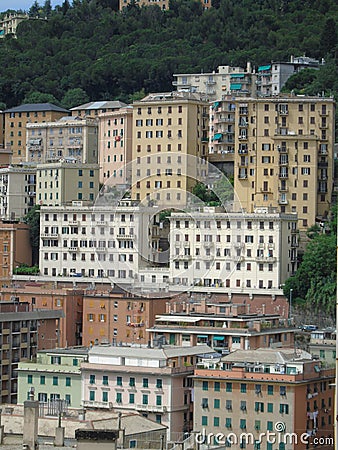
328, 38
40, 97
74, 97
32, 219
34, 10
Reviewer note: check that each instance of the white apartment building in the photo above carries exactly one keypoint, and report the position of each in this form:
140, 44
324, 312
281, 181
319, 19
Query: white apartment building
156, 382
88, 241
224, 81
69, 138
232, 250
17, 191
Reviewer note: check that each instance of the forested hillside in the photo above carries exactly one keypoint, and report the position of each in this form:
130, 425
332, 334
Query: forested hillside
105, 54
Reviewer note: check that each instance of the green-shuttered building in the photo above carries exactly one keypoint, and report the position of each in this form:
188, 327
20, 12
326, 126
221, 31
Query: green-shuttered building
55, 374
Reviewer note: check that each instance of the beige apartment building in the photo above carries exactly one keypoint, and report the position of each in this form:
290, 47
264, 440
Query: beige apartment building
63, 182
169, 146
284, 155
115, 143
16, 120
70, 138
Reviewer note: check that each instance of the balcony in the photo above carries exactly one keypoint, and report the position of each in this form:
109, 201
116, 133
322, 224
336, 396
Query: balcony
73, 249
125, 236
242, 176
73, 222
182, 257
101, 249
283, 201
151, 408
243, 151
283, 189
283, 175
323, 164
94, 404
267, 259
49, 235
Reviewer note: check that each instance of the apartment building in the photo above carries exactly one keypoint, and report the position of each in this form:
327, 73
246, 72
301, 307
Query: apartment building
272, 77
153, 381
101, 241
20, 337
226, 80
63, 182
322, 345
68, 302
234, 250
94, 109
251, 391
227, 327
117, 316
15, 248
284, 155
68, 138
16, 120
10, 22
169, 146
115, 143
54, 375
17, 190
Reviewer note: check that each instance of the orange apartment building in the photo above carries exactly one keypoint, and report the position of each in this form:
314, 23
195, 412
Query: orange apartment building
116, 316
43, 296
15, 248
247, 393
15, 125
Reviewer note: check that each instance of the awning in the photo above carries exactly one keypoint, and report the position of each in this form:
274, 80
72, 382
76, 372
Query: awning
202, 336
218, 338
217, 136
237, 75
235, 86
172, 318
262, 68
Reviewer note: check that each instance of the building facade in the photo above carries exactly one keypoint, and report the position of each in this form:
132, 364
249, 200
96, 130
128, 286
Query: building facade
322, 345
15, 125
248, 392
94, 109
284, 155
55, 375
154, 381
169, 146
226, 80
239, 250
70, 139
115, 142
17, 191
68, 302
20, 330
63, 182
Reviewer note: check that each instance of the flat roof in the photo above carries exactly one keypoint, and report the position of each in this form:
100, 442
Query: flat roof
115, 104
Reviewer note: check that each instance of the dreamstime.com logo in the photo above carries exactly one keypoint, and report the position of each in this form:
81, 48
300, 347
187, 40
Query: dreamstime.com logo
278, 436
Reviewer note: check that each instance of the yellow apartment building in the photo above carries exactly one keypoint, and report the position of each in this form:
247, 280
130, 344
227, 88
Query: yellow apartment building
15, 125
115, 144
284, 155
170, 145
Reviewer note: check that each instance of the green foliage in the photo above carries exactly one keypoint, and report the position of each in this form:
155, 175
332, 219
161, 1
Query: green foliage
40, 97
32, 218
74, 97
316, 278
23, 269
207, 196
86, 44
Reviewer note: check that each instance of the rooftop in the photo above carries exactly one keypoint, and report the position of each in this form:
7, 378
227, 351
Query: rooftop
267, 355
116, 104
36, 107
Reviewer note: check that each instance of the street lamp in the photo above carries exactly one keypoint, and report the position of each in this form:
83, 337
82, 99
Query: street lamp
290, 304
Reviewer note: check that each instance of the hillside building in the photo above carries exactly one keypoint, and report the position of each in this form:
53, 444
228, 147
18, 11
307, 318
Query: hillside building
16, 120
94, 109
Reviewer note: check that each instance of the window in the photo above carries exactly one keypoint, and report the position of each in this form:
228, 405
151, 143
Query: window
270, 407
159, 384
91, 379
118, 397
216, 421
242, 424
68, 381
228, 422
145, 382
29, 379
205, 386
217, 386
131, 398
205, 420
119, 381
55, 381
158, 400
42, 379
92, 396
145, 399
243, 388
284, 408
105, 380
270, 389
132, 381
228, 387
104, 396
217, 403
